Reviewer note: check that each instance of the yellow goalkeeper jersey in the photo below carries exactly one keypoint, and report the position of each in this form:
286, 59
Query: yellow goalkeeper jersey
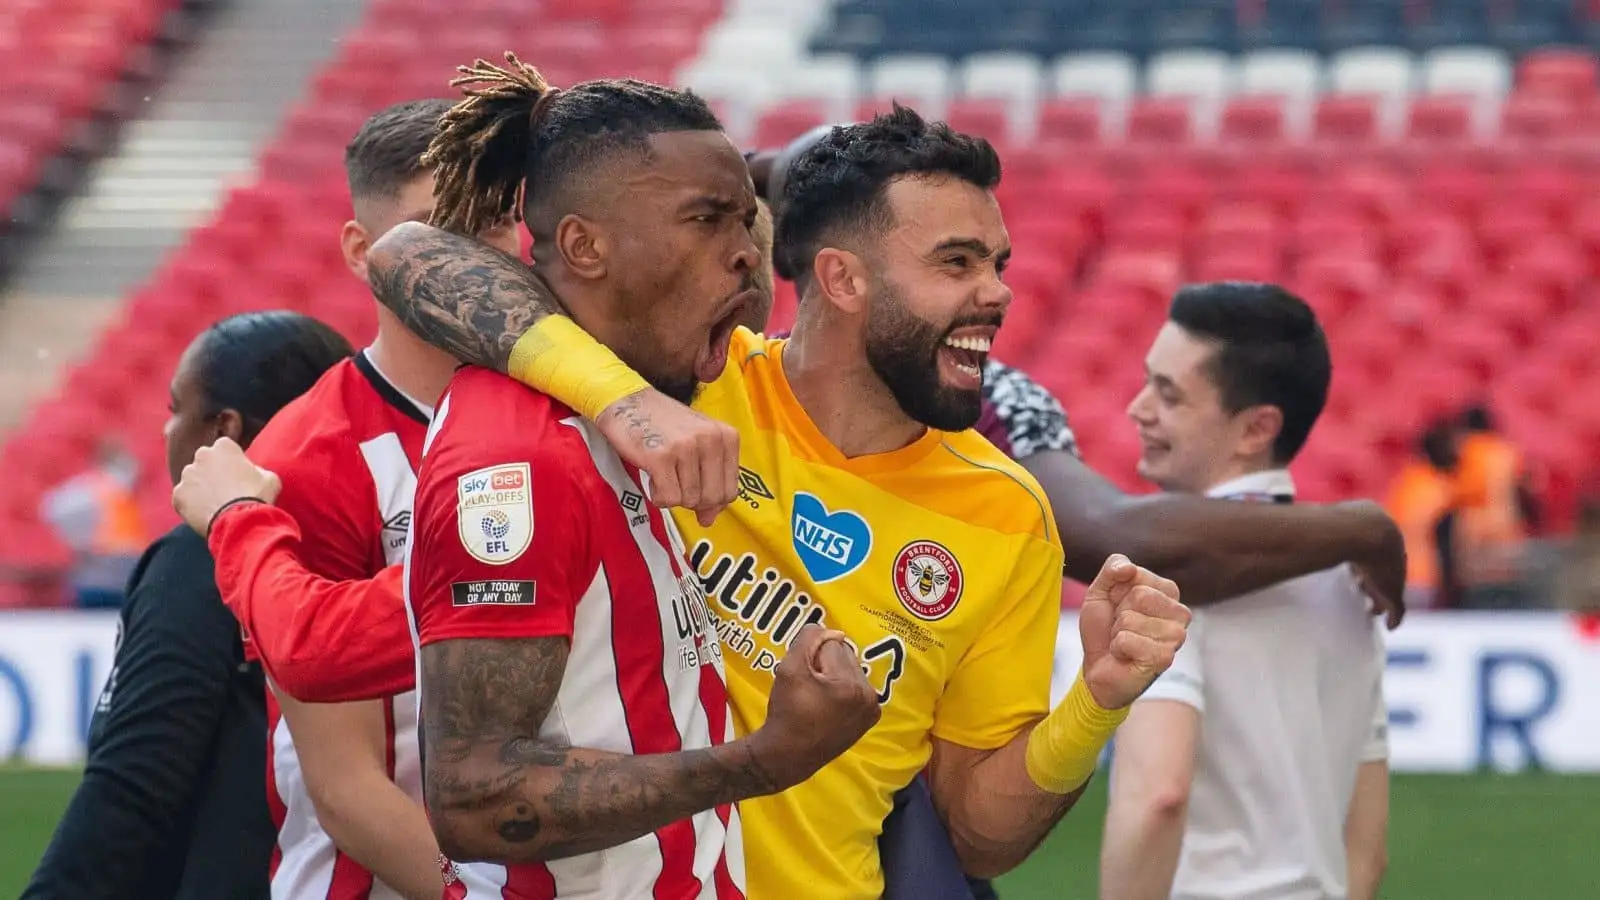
940, 560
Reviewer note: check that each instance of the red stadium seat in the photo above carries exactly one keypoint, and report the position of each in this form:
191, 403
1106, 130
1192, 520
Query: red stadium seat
1150, 227
1345, 120
1249, 122
1569, 74
782, 124
982, 118
1237, 265
1069, 122
1535, 117
1439, 120
1160, 121
1243, 221
1548, 188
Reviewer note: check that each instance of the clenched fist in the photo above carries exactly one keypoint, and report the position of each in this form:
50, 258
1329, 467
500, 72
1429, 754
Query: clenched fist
1131, 625
219, 475
821, 704
692, 459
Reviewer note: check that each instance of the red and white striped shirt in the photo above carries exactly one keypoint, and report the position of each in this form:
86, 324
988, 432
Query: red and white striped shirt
528, 525
346, 452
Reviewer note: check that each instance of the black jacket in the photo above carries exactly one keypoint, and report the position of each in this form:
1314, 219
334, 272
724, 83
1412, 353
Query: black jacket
173, 801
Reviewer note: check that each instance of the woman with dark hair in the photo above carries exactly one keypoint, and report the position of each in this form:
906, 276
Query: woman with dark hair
173, 800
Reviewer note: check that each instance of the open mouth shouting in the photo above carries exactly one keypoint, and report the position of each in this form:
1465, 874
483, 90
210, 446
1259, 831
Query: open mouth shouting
962, 355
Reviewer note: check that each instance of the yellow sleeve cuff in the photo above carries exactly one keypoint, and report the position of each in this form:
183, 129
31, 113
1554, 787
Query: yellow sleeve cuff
1064, 749
558, 358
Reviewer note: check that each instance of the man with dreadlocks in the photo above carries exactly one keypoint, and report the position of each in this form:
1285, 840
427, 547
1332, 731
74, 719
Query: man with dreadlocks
572, 697
571, 685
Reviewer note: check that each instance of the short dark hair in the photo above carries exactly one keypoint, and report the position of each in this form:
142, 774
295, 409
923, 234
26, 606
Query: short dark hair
1477, 418
1270, 351
1438, 445
255, 363
386, 154
515, 130
839, 183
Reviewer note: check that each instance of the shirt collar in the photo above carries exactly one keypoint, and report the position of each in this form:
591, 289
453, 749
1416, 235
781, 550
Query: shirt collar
1268, 484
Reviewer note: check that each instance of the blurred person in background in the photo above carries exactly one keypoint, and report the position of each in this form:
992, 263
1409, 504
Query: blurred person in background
1496, 511
345, 779
1256, 767
96, 514
1577, 575
1421, 499
172, 804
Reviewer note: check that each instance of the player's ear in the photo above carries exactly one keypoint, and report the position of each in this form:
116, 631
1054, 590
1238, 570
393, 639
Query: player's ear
354, 242
584, 246
1261, 425
228, 424
841, 278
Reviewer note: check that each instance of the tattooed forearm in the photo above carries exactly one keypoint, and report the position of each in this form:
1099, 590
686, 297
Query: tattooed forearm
497, 791
631, 412
460, 295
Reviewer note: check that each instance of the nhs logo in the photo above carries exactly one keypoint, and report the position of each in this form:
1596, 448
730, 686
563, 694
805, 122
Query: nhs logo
830, 545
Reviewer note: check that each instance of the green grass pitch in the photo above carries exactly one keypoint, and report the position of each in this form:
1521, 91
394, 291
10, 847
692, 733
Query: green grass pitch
1481, 837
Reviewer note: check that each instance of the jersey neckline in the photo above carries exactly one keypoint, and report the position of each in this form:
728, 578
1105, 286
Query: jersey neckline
804, 435
386, 389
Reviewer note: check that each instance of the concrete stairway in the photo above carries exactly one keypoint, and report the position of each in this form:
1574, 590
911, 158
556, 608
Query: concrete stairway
205, 125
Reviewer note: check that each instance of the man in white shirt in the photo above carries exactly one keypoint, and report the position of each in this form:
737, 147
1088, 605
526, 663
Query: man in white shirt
1256, 768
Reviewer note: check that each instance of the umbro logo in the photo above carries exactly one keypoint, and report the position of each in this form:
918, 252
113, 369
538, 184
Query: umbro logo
634, 503
400, 523
753, 488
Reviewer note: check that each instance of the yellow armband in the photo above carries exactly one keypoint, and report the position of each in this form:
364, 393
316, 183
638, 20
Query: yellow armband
1064, 748
566, 362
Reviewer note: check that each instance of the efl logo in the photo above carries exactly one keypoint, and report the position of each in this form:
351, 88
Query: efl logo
495, 513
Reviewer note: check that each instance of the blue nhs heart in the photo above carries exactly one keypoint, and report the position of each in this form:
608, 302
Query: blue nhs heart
831, 545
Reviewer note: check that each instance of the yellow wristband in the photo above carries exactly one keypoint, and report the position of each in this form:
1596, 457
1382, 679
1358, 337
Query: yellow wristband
1064, 749
566, 362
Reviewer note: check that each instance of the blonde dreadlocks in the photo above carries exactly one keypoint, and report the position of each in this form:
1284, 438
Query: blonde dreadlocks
515, 133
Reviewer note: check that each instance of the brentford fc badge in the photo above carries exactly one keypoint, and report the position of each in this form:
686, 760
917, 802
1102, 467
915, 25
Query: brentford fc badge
927, 579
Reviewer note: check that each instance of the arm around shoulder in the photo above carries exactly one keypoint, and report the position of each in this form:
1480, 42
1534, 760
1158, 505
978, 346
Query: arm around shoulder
1216, 549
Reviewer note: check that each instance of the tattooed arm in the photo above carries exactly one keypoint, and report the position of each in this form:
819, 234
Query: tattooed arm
457, 293
475, 302
498, 791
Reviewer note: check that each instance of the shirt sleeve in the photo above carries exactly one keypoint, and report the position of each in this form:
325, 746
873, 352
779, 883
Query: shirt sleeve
1033, 418
1002, 684
501, 544
155, 728
321, 640
1376, 748
335, 509
1184, 681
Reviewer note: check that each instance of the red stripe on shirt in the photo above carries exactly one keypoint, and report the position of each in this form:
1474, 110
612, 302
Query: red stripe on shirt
640, 654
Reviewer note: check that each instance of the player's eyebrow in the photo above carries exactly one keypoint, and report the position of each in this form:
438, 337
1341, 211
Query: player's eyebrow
976, 247
972, 245
713, 204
